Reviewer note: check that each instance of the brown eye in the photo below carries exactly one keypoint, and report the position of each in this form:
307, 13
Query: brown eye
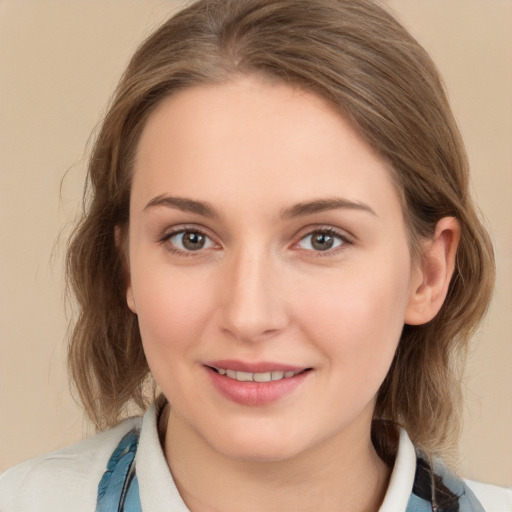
190, 241
321, 241
193, 241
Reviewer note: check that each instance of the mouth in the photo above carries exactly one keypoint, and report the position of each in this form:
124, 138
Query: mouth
269, 376
255, 384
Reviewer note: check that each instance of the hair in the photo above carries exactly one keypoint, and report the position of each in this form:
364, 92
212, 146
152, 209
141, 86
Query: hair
355, 55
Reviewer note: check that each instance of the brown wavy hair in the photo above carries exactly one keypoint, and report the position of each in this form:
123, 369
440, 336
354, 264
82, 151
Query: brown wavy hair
354, 54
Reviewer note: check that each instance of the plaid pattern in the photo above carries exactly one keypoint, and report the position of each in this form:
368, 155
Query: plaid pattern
436, 489
118, 490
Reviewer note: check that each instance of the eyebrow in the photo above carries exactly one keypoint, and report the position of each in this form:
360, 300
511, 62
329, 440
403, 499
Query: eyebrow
184, 204
322, 205
298, 210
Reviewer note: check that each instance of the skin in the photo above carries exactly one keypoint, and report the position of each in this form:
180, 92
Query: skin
260, 290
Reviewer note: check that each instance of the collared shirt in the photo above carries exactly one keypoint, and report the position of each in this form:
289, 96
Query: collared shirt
68, 479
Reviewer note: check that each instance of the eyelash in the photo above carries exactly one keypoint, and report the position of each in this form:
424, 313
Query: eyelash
164, 241
330, 231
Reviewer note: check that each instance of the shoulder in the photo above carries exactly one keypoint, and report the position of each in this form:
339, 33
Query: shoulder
63, 480
492, 497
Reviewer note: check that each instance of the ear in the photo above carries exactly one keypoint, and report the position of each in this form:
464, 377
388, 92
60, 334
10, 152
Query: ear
122, 248
431, 276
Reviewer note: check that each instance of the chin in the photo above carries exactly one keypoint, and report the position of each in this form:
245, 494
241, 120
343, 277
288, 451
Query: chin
251, 452
264, 445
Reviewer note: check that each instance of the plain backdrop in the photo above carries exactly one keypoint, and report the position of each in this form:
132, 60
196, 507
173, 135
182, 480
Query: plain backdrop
59, 63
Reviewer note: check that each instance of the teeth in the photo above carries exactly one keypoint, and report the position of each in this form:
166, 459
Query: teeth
256, 377
244, 376
262, 377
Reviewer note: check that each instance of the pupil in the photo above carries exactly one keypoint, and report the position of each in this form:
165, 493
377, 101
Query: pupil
322, 241
193, 241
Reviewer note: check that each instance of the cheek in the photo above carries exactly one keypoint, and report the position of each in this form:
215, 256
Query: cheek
172, 311
356, 320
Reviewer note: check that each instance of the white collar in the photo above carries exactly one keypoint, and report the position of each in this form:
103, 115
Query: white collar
158, 493
402, 476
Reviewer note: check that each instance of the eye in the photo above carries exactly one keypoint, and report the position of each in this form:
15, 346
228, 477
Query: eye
322, 240
188, 240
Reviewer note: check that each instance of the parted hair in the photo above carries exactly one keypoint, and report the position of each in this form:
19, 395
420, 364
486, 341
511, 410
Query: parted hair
355, 55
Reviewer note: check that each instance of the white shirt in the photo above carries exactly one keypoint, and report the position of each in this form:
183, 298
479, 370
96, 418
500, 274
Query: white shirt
67, 480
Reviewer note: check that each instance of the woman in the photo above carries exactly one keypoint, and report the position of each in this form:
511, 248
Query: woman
280, 234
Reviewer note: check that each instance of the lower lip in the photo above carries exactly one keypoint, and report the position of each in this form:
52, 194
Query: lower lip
255, 393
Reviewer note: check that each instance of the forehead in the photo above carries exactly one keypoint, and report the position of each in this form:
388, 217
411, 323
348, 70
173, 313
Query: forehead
277, 143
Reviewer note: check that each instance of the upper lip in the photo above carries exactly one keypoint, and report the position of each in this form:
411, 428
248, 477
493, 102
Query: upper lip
253, 367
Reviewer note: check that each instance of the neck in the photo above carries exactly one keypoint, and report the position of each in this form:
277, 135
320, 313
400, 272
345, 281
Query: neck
343, 473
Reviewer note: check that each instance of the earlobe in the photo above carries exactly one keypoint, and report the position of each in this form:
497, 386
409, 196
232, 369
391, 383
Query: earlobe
431, 277
121, 247
129, 299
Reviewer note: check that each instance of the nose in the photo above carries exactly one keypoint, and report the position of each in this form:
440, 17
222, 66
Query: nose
253, 297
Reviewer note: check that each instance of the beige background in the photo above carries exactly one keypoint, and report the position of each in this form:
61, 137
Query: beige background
59, 63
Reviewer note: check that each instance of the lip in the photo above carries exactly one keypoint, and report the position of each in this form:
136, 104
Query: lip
254, 393
252, 367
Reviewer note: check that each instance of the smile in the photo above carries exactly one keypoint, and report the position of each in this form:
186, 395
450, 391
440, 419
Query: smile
255, 384
241, 376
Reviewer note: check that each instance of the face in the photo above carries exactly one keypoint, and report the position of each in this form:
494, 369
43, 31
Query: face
269, 267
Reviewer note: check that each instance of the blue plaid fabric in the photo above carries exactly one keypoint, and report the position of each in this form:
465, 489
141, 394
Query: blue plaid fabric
436, 489
118, 490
